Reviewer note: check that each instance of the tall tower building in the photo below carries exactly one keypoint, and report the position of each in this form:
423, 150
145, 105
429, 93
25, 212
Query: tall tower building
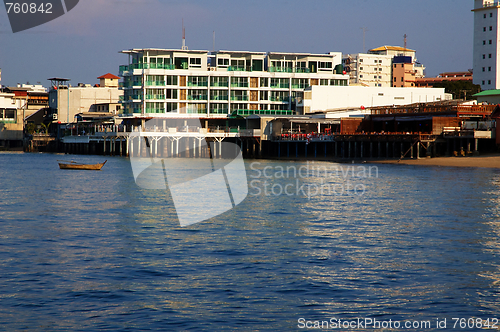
486, 45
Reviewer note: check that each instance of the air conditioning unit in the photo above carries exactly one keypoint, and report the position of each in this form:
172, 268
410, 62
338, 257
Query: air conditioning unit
54, 116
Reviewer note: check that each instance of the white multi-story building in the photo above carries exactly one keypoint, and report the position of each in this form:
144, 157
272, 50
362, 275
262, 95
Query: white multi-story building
190, 83
369, 69
375, 69
486, 47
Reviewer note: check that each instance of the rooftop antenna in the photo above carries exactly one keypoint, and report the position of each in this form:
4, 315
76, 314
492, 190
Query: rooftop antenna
184, 47
405, 43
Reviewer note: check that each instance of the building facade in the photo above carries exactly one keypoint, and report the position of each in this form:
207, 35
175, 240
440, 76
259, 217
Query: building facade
378, 68
190, 83
372, 70
320, 99
66, 101
486, 47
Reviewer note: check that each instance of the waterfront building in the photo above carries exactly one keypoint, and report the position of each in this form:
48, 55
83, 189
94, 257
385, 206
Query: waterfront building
327, 99
191, 83
384, 66
486, 46
373, 70
66, 101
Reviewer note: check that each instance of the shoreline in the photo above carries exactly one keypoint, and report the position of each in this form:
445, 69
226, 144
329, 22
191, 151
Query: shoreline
485, 161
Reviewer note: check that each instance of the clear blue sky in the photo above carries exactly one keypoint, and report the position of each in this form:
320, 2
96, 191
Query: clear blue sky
85, 43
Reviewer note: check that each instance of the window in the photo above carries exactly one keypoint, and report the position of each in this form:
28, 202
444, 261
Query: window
489, 81
489, 55
482, 83
360, 60
325, 65
484, 69
489, 68
484, 29
171, 80
491, 28
489, 42
491, 14
360, 68
484, 56
195, 62
223, 62
360, 76
484, 42
484, 16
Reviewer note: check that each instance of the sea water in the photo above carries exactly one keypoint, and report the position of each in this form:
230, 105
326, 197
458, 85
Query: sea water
91, 250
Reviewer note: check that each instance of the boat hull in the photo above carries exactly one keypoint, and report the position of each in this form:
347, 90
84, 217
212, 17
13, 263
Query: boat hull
90, 167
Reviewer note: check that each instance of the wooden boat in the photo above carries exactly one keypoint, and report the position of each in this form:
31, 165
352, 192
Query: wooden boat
75, 165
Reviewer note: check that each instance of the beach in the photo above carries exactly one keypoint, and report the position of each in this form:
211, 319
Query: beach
485, 161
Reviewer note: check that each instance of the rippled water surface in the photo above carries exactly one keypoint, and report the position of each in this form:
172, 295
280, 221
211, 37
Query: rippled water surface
86, 250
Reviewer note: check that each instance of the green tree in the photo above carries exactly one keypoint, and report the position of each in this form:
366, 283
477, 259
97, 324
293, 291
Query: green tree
459, 89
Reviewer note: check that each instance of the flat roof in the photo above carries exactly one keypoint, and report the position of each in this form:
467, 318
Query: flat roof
301, 54
239, 52
139, 50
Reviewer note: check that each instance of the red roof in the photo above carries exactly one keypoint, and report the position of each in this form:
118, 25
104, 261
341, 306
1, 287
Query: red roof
109, 75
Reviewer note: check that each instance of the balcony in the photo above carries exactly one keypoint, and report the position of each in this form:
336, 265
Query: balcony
300, 86
197, 84
155, 110
196, 111
239, 84
220, 97
239, 98
280, 86
197, 97
491, 4
262, 112
155, 97
219, 111
236, 68
149, 66
280, 99
155, 83
220, 84
280, 70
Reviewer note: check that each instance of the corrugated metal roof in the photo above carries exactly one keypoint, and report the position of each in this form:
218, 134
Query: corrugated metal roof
493, 92
392, 48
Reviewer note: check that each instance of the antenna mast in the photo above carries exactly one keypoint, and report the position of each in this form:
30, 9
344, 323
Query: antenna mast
184, 47
405, 43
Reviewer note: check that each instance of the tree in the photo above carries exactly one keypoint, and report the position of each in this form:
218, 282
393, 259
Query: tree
459, 89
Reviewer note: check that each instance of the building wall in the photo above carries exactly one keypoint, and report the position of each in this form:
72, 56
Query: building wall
232, 82
495, 99
81, 99
321, 99
486, 48
369, 69
403, 75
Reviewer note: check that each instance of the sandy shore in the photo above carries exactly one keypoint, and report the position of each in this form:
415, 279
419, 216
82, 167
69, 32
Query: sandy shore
488, 161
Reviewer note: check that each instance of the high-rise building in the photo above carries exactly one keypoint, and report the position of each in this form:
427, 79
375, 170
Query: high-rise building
486, 33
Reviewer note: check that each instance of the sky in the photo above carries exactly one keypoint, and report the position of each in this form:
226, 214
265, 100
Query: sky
86, 42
